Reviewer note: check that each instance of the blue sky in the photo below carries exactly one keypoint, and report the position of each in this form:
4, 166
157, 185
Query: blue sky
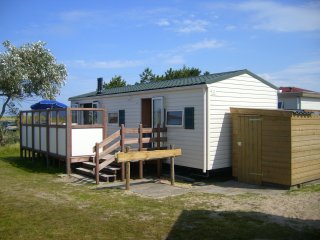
278, 40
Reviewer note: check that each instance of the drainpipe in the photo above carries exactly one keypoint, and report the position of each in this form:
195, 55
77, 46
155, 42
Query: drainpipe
205, 128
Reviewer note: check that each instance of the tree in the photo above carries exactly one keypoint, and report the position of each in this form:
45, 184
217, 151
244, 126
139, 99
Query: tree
116, 81
28, 71
147, 76
181, 73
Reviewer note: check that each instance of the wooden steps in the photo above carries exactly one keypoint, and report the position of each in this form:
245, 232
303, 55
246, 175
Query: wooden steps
102, 176
107, 171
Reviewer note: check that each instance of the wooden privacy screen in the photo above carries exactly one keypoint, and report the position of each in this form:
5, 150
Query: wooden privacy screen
275, 146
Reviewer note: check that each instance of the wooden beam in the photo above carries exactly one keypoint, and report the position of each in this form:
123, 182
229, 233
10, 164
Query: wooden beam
127, 175
122, 139
147, 155
97, 168
172, 177
140, 148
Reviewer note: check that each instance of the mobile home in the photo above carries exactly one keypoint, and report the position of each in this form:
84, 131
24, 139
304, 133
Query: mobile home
195, 111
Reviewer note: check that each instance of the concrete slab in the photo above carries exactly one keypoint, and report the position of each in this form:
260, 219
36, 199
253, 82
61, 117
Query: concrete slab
155, 188
148, 188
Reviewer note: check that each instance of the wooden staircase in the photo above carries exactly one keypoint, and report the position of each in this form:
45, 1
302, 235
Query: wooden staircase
102, 165
108, 169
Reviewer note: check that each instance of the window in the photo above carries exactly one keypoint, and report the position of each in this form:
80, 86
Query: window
189, 118
53, 117
174, 118
113, 117
122, 117
74, 114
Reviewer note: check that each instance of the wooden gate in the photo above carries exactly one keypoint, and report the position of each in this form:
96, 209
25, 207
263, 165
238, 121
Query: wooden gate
249, 146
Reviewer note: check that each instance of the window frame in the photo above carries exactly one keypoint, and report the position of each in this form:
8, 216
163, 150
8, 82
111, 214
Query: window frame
174, 110
114, 123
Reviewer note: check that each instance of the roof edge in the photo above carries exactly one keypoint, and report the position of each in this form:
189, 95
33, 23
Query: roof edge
240, 72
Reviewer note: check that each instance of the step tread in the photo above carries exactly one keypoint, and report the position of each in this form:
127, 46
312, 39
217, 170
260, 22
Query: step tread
112, 168
85, 170
89, 164
89, 172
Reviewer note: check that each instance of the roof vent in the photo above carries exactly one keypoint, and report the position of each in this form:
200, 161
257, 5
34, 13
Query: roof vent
99, 87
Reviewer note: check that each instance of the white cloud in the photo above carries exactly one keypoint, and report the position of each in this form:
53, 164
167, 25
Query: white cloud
205, 44
304, 75
191, 25
163, 23
271, 15
106, 64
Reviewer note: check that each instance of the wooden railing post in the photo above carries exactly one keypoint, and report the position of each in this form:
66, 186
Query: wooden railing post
140, 147
127, 171
97, 162
68, 140
158, 147
172, 178
122, 139
48, 135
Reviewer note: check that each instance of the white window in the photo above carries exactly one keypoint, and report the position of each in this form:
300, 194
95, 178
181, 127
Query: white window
174, 117
75, 114
113, 117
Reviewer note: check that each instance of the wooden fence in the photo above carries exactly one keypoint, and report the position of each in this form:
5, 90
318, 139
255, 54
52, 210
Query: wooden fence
124, 138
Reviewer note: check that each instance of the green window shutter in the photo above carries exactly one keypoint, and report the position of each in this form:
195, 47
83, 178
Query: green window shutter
189, 118
122, 118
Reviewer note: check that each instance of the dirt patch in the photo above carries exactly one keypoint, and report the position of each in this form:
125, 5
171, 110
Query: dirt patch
301, 209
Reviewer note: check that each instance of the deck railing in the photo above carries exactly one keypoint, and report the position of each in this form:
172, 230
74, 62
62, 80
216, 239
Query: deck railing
122, 139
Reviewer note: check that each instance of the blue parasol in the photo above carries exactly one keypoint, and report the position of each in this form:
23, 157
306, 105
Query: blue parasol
47, 104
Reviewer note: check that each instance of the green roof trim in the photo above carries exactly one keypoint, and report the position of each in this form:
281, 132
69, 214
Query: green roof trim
181, 82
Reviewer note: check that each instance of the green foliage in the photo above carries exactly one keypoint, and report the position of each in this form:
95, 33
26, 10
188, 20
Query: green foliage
116, 81
27, 71
180, 73
148, 76
8, 136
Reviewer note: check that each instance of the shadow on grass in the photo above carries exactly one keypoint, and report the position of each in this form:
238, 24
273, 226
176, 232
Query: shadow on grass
203, 224
36, 166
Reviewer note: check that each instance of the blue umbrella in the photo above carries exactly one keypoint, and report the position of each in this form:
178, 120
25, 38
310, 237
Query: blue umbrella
45, 104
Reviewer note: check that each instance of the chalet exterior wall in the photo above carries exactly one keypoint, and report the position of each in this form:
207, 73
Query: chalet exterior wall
208, 145
240, 91
190, 140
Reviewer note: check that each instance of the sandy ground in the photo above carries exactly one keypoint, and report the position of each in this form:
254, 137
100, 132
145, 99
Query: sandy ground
298, 209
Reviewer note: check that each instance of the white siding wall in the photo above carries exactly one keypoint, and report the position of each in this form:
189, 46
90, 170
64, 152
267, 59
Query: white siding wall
53, 140
241, 91
310, 103
24, 136
83, 140
191, 141
36, 138
29, 129
62, 141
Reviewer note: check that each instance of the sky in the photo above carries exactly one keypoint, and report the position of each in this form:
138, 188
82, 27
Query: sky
277, 40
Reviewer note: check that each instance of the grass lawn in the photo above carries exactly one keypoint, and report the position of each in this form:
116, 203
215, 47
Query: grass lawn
34, 204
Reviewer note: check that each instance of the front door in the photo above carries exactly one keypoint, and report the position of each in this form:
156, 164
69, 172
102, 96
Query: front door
146, 113
157, 112
249, 165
